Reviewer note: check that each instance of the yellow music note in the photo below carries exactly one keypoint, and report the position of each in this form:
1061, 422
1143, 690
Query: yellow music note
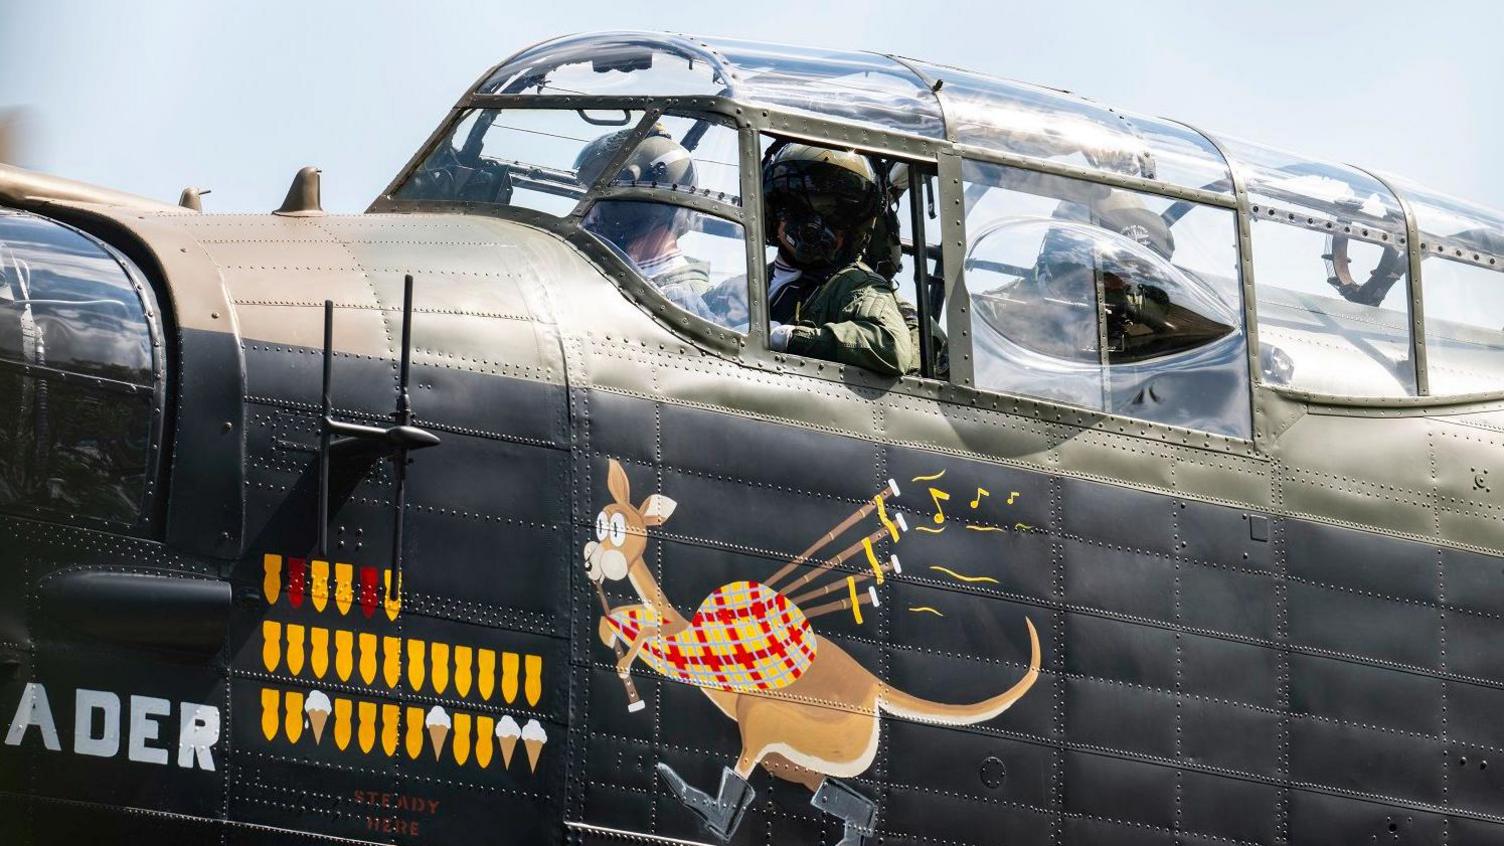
939, 496
981, 492
1012, 495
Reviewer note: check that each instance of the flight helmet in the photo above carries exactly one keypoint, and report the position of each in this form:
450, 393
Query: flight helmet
658, 160
826, 201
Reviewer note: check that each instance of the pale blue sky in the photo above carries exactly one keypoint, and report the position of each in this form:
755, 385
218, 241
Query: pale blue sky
150, 97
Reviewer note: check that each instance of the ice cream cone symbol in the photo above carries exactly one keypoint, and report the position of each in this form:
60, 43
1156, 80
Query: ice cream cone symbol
294, 722
391, 669
391, 728
439, 652
344, 587
342, 723
367, 731
271, 644
295, 654
485, 673
438, 724
462, 728
462, 660
391, 600
414, 732
533, 674
318, 650
509, 662
417, 666
317, 708
269, 701
271, 579
533, 738
484, 726
507, 735
318, 588
344, 657
367, 657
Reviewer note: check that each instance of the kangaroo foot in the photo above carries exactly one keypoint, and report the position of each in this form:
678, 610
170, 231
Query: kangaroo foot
721, 814
857, 811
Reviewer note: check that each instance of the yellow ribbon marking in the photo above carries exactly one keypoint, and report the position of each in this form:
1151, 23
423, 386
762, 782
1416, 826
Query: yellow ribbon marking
856, 607
882, 514
877, 569
928, 478
976, 528
925, 609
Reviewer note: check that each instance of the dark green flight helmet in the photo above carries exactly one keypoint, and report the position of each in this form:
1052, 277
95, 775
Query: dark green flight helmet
826, 201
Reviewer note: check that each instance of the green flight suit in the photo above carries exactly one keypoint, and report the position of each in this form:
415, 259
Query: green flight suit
851, 318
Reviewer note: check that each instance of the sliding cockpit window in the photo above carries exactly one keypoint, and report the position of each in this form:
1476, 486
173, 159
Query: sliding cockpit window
1107, 299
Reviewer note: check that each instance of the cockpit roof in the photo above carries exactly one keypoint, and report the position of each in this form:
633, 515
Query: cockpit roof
938, 103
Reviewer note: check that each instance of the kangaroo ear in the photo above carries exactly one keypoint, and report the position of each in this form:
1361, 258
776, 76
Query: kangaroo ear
616, 482
656, 510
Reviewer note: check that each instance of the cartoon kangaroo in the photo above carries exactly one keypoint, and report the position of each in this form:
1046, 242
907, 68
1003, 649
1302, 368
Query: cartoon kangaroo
821, 726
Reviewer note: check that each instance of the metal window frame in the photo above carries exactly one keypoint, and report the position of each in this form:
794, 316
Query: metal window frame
754, 120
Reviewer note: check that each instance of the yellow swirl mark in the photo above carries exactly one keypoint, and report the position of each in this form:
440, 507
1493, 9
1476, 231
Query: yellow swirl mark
929, 530
953, 574
1022, 527
928, 478
976, 528
882, 514
925, 609
856, 607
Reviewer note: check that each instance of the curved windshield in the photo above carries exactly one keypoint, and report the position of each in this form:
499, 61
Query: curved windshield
532, 158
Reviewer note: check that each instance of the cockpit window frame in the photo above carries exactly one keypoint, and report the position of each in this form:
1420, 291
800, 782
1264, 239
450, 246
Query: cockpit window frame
753, 120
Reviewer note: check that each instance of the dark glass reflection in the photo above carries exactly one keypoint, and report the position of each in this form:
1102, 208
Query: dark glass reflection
66, 303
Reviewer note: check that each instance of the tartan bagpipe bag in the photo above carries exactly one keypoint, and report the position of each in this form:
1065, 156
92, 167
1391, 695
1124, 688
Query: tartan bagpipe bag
744, 637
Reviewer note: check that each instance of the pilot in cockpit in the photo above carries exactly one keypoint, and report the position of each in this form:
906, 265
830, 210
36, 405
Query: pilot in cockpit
822, 301
648, 233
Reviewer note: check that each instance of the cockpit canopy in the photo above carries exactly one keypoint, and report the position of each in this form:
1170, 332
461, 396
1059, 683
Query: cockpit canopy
1362, 285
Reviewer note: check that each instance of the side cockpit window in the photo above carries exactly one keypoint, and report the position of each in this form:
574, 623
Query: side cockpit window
670, 208
81, 361
1107, 299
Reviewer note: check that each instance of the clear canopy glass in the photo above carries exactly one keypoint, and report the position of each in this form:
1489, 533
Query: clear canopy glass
609, 64
1029, 120
1316, 192
858, 87
1459, 223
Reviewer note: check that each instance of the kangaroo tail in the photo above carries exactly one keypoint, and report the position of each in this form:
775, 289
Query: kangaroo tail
900, 704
